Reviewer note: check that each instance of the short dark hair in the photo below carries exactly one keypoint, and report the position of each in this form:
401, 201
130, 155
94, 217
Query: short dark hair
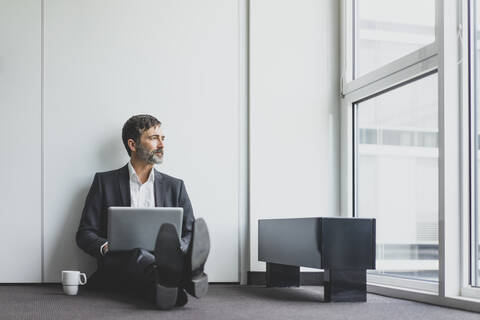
135, 126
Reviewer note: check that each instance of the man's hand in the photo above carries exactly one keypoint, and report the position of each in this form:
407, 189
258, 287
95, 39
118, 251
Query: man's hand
105, 249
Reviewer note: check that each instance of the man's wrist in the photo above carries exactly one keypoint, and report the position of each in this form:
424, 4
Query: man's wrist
104, 249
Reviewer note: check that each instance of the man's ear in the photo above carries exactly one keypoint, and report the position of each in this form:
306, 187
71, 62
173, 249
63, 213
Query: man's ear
131, 145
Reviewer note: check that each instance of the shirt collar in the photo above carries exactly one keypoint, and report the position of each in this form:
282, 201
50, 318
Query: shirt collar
134, 177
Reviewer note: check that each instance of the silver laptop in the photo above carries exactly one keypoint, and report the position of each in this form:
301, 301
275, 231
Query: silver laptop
130, 228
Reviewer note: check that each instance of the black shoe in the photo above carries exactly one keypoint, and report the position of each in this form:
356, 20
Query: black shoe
170, 265
182, 298
198, 285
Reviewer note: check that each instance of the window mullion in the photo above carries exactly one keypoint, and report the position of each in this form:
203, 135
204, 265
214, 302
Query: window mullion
449, 150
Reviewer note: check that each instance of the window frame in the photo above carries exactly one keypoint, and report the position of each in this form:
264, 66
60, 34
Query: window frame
470, 100
391, 82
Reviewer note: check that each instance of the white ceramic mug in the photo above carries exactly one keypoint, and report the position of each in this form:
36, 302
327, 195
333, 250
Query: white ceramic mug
71, 280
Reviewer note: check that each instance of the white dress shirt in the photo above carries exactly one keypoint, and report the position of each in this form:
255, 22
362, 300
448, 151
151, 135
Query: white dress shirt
141, 195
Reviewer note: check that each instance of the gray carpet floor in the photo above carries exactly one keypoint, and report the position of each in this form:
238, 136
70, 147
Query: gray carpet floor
222, 302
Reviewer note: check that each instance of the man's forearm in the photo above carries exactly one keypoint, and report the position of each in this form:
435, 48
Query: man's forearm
90, 227
90, 242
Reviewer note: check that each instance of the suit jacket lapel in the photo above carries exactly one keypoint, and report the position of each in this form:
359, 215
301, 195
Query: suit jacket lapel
158, 189
124, 185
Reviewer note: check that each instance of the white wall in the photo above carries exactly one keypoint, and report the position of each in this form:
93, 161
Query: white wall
20, 129
105, 61
294, 112
180, 61
108, 60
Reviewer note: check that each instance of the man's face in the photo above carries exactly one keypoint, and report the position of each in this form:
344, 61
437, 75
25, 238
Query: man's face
151, 145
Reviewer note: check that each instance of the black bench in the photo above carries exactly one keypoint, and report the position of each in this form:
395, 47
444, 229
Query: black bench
343, 247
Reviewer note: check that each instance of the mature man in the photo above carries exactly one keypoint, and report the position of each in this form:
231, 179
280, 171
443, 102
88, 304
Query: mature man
174, 266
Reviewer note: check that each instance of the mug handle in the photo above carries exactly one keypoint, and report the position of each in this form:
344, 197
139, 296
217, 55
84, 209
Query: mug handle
84, 277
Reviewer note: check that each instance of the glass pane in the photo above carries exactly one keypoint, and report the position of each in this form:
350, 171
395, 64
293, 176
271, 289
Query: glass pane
397, 177
386, 30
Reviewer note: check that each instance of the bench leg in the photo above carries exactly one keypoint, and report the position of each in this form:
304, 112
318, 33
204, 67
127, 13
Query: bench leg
281, 275
345, 285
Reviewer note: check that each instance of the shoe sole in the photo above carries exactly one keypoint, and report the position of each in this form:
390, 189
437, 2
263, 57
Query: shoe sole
200, 245
199, 285
170, 266
166, 297
200, 251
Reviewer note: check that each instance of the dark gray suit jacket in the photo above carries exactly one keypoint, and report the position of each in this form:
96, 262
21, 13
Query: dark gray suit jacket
112, 188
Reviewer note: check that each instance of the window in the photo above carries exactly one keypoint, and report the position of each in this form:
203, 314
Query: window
392, 91
410, 143
385, 30
397, 176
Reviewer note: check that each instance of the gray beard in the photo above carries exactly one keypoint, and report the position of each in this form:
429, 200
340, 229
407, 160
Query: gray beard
150, 157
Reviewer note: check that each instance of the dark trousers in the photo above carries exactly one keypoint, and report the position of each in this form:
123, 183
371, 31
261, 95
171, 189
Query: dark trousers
132, 272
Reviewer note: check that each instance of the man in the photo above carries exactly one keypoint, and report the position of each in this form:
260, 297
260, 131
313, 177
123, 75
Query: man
174, 266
